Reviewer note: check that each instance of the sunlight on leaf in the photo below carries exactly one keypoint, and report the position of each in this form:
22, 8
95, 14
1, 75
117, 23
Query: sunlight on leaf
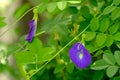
62, 5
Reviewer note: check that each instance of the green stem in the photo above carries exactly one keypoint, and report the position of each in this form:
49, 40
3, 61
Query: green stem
40, 33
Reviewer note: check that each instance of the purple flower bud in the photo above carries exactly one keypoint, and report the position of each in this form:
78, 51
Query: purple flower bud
32, 30
80, 56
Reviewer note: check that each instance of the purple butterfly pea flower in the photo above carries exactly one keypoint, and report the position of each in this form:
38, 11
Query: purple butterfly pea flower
32, 30
80, 56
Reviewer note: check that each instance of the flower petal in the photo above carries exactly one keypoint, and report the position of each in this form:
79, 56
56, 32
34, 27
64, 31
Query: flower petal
80, 56
32, 30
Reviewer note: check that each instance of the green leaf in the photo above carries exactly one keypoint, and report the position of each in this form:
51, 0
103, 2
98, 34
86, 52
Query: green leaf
104, 24
94, 24
108, 9
116, 13
109, 41
111, 71
62, 5
59, 68
59, 23
85, 11
113, 29
98, 53
100, 39
62, 29
35, 45
117, 56
118, 44
99, 65
109, 58
91, 48
25, 57
116, 36
51, 7
41, 8
90, 36
45, 54
70, 67
116, 2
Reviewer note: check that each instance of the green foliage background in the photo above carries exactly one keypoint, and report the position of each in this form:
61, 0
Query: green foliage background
61, 24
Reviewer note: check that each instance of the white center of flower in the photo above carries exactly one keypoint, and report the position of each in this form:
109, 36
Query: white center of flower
80, 55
